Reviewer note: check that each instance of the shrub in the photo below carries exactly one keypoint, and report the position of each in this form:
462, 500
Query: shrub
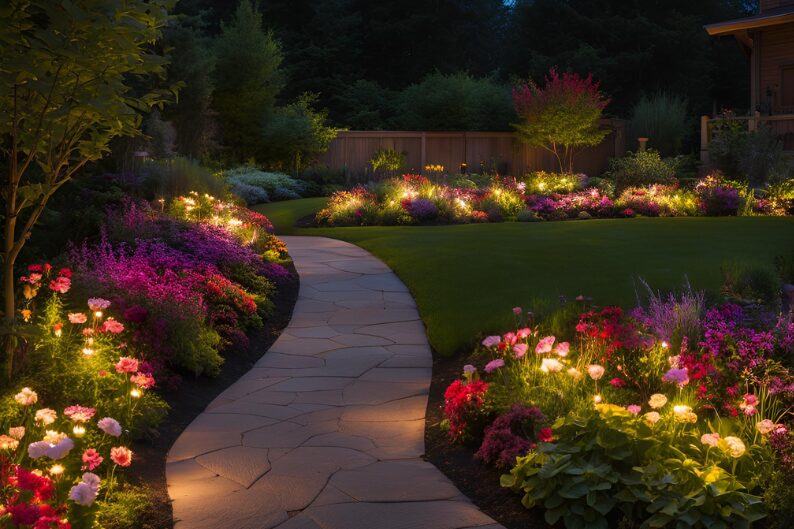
388, 160
639, 169
512, 435
662, 119
561, 117
717, 196
251, 195
269, 182
178, 176
658, 200
465, 406
543, 183
751, 284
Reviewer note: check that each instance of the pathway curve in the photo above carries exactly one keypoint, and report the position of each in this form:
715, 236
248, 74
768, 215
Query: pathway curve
327, 430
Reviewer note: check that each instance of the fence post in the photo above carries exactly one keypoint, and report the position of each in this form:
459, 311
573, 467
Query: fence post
704, 139
424, 153
752, 123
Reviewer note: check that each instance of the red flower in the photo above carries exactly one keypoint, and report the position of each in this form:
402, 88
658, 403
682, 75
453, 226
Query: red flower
617, 382
545, 435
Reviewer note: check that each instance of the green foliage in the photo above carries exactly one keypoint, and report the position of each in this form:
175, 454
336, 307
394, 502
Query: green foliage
756, 157
543, 183
247, 79
295, 135
662, 119
278, 186
455, 102
129, 508
193, 63
778, 498
609, 463
179, 176
388, 160
639, 169
751, 284
161, 135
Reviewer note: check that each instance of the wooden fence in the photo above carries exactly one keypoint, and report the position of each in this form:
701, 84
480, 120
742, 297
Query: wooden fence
780, 126
493, 151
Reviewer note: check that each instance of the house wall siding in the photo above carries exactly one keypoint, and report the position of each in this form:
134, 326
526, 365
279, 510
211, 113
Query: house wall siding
766, 5
776, 54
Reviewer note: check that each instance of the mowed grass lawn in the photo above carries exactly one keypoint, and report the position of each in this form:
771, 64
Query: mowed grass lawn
466, 278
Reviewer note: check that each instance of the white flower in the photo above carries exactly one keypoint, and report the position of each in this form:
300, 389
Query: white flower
55, 446
26, 397
652, 417
657, 400
83, 494
734, 446
551, 365
110, 426
46, 416
595, 371
764, 427
575, 373
92, 480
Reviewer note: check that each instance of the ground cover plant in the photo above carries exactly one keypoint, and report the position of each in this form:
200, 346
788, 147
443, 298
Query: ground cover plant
677, 413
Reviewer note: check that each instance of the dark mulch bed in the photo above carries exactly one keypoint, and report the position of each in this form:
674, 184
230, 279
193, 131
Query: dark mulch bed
476, 480
193, 395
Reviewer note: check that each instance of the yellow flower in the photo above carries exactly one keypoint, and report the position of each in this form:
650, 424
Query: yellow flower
733, 446
652, 417
657, 400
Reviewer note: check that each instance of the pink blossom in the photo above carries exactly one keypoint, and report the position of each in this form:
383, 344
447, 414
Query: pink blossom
492, 341
91, 459
562, 349
121, 456
98, 304
77, 317
634, 409
520, 349
142, 380
110, 426
61, 285
126, 365
79, 413
517, 311
113, 326
545, 345
493, 365
523, 333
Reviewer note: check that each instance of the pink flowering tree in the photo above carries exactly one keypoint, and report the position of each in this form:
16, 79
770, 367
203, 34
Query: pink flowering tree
66, 90
561, 117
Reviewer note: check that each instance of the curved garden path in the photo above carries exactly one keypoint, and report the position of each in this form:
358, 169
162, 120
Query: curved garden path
327, 430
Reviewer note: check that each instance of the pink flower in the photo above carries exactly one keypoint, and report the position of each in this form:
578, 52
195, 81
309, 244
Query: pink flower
493, 365
510, 338
617, 382
61, 285
142, 380
523, 333
113, 326
110, 426
91, 459
126, 365
545, 435
517, 311
634, 409
121, 456
562, 349
468, 369
520, 349
545, 345
751, 399
79, 413
492, 341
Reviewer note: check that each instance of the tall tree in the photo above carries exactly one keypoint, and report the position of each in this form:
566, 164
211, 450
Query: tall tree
247, 79
66, 75
192, 63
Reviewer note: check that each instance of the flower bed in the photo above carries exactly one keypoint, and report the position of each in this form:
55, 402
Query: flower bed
165, 290
676, 414
414, 199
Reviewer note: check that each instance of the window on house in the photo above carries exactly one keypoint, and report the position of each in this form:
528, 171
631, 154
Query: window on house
787, 88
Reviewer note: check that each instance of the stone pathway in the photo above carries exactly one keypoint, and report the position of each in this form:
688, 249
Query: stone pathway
327, 430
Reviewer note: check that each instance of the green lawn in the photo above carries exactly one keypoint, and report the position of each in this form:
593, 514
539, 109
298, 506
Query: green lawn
466, 278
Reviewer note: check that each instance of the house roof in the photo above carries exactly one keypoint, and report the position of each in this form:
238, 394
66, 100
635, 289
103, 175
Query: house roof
775, 17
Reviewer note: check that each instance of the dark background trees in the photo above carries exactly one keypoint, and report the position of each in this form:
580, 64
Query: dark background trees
404, 63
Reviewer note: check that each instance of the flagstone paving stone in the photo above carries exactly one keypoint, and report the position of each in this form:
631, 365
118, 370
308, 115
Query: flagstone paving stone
327, 430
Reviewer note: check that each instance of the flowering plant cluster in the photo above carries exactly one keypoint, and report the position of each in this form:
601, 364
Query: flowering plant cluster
672, 411
60, 462
414, 199
189, 282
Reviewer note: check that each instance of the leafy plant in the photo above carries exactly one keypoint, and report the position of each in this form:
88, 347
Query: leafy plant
562, 116
543, 183
662, 119
67, 73
388, 160
639, 169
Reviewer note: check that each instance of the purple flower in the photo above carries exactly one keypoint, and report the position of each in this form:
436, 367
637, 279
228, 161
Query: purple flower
677, 376
492, 341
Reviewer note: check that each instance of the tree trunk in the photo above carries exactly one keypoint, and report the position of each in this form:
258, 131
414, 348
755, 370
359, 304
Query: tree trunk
9, 304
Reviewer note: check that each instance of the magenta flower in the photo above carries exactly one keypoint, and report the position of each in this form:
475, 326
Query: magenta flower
634, 409
562, 349
523, 333
545, 345
493, 365
79, 413
517, 311
492, 341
